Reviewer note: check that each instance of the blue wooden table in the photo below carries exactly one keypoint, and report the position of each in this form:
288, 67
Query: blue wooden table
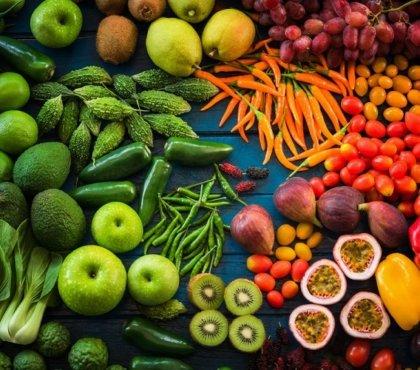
109, 326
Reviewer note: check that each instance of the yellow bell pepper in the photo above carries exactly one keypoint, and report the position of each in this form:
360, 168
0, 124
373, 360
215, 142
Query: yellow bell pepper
398, 281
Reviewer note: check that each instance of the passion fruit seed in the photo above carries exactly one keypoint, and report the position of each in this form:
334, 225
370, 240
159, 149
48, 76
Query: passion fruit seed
312, 326
365, 316
357, 254
324, 282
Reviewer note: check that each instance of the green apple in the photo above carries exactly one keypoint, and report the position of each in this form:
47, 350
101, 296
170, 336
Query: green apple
117, 227
152, 279
92, 280
192, 11
56, 23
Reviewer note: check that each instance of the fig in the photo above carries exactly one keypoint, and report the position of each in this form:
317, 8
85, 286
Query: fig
364, 316
358, 255
323, 283
312, 325
338, 209
386, 223
295, 200
252, 228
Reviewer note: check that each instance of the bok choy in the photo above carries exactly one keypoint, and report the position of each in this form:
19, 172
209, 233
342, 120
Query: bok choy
24, 292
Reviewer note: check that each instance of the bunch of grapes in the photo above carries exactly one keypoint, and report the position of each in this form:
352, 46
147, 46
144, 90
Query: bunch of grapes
344, 30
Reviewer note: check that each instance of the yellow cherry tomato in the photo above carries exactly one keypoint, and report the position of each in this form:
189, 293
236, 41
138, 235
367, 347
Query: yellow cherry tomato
385, 82
373, 79
414, 72
285, 234
379, 65
392, 114
415, 109
413, 96
285, 253
402, 84
304, 230
363, 71
396, 99
416, 85
303, 251
401, 62
370, 111
314, 240
361, 86
377, 95
391, 70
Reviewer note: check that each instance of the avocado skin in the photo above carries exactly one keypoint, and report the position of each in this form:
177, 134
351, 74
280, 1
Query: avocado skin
42, 166
13, 205
58, 222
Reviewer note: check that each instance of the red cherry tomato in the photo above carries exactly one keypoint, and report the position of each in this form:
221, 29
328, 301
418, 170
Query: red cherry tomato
346, 177
367, 147
373, 195
412, 120
383, 360
405, 185
384, 185
399, 143
415, 173
396, 129
275, 299
317, 186
416, 206
299, 267
331, 179
351, 138
348, 151
357, 123
406, 207
264, 281
398, 169
357, 352
381, 162
409, 157
352, 105
411, 139
374, 128
356, 166
389, 149
334, 163
416, 151
364, 182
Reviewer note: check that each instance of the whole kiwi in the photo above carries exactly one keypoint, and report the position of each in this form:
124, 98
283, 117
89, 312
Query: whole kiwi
109, 7
146, 10
116, 39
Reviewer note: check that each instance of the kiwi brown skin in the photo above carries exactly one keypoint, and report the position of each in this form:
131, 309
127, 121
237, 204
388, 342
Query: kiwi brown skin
116, 39
147, 10
109, 7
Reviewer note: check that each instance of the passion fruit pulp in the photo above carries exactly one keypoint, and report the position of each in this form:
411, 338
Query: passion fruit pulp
364, 316
312, 325
358, 255
323, 283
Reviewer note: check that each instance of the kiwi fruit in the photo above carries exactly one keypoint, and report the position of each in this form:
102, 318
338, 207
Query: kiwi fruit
109, 7
146, 10
242, 297
209, 328
247, 333
205, 291
116, 39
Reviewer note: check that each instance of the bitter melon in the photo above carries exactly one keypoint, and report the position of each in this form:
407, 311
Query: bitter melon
48, 90
154, 78
169, 125
109, 108
193, 89
90, 75
69, 120
138, 129
79, 146
88, 92
124, 86
92, 122
108, 139
162, 102
49, 115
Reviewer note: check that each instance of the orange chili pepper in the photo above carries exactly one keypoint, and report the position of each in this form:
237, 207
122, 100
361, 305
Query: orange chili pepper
318, 94
334, 104
351, 73
258, 86
263, 77
228, 111
292, 106
234, 78
278, 151
199, 73
274, 67
214, 100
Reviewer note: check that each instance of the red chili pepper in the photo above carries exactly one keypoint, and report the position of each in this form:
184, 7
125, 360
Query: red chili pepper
414, 235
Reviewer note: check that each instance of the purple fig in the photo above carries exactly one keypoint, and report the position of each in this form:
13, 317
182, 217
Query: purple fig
295, 200
386, 223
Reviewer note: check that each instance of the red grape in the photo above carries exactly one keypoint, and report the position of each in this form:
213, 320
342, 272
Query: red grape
341, 7
313, 26
359, 7
375, 6
278, 14
334, 25
327, 14
334, 57
302, 44
259, 6
292, 32
248, 4
320, 43
270, 4
413, 33
384, 32
350, 37
302, 56
367, 61
383, 49
337, 41
287, 53
411, 50
398, 16
356, 19
367, 37
371, 52
264, 19
277, 33
311, 6
351, 54
294, 10
400, 31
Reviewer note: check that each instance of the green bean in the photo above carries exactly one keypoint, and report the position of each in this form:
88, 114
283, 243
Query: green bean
219, 250
153, 229
207, 189
190, 254
226, 227
191, 215
188, 193
149, 241
198, 266
218, 222
226, 187
182, 208
174, 212
191, 264
207, 264
191, 236
202, 219
210, 237
163, 237
174, 246
180, 201
202, 235
217, 204
169, 241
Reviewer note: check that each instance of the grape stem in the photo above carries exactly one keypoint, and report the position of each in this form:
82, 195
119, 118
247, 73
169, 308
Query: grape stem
401, 7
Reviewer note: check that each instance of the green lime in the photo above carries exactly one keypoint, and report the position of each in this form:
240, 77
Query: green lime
14, 91
18, 131
6, 167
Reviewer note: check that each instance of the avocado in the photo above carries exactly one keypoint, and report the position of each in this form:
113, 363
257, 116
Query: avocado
42, 166
58, 222
13, 206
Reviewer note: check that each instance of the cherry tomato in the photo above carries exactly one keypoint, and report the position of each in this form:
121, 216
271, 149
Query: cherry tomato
389, 149
405, 185
364, 182
289, 289
385, 82
346, 177
415, 173
396, 99
317, 186
356, 166
275, 299
375, 129
384, 359
381, 162
331, 179
357, 123
367, 147
361, 86
351, 105
264, 281
396, 129
351, 138
334, 163
407, 208
373, 195
392, 114
370, 110
402, 84
299, 267
349, 151
399, 143
357, 352
412, 121
384, 185
398, 169
416, 151
417, 207
409, 157
411, 139
377, 95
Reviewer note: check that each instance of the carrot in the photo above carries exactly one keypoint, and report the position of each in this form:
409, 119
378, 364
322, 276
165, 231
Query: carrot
342, 70
278, 151
199, 73
220, 68
303, 101
333, 102
315, 79
258, 86
341, 86
245, 119
290, 97
264, 77
234, 78
318, 94
351, 73
274, 67
228, 111
214, 100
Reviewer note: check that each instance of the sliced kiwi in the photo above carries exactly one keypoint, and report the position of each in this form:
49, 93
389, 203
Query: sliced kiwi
247, 333
242, 297
206, 291
209, 328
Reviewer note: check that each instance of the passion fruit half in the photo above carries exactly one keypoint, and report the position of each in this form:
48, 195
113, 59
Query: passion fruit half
358, 255
312, 325
364, 316
323, 283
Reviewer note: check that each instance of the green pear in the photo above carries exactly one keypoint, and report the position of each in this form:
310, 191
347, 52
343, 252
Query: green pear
192, 11
174, 46
227, 35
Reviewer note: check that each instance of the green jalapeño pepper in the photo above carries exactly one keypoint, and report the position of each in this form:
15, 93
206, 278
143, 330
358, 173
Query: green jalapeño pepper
195, 152
27, 60
154, 184
152, 338
157, 363
117, 164
100, 193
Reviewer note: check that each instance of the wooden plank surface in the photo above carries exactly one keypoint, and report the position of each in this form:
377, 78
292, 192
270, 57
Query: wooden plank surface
108, 327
